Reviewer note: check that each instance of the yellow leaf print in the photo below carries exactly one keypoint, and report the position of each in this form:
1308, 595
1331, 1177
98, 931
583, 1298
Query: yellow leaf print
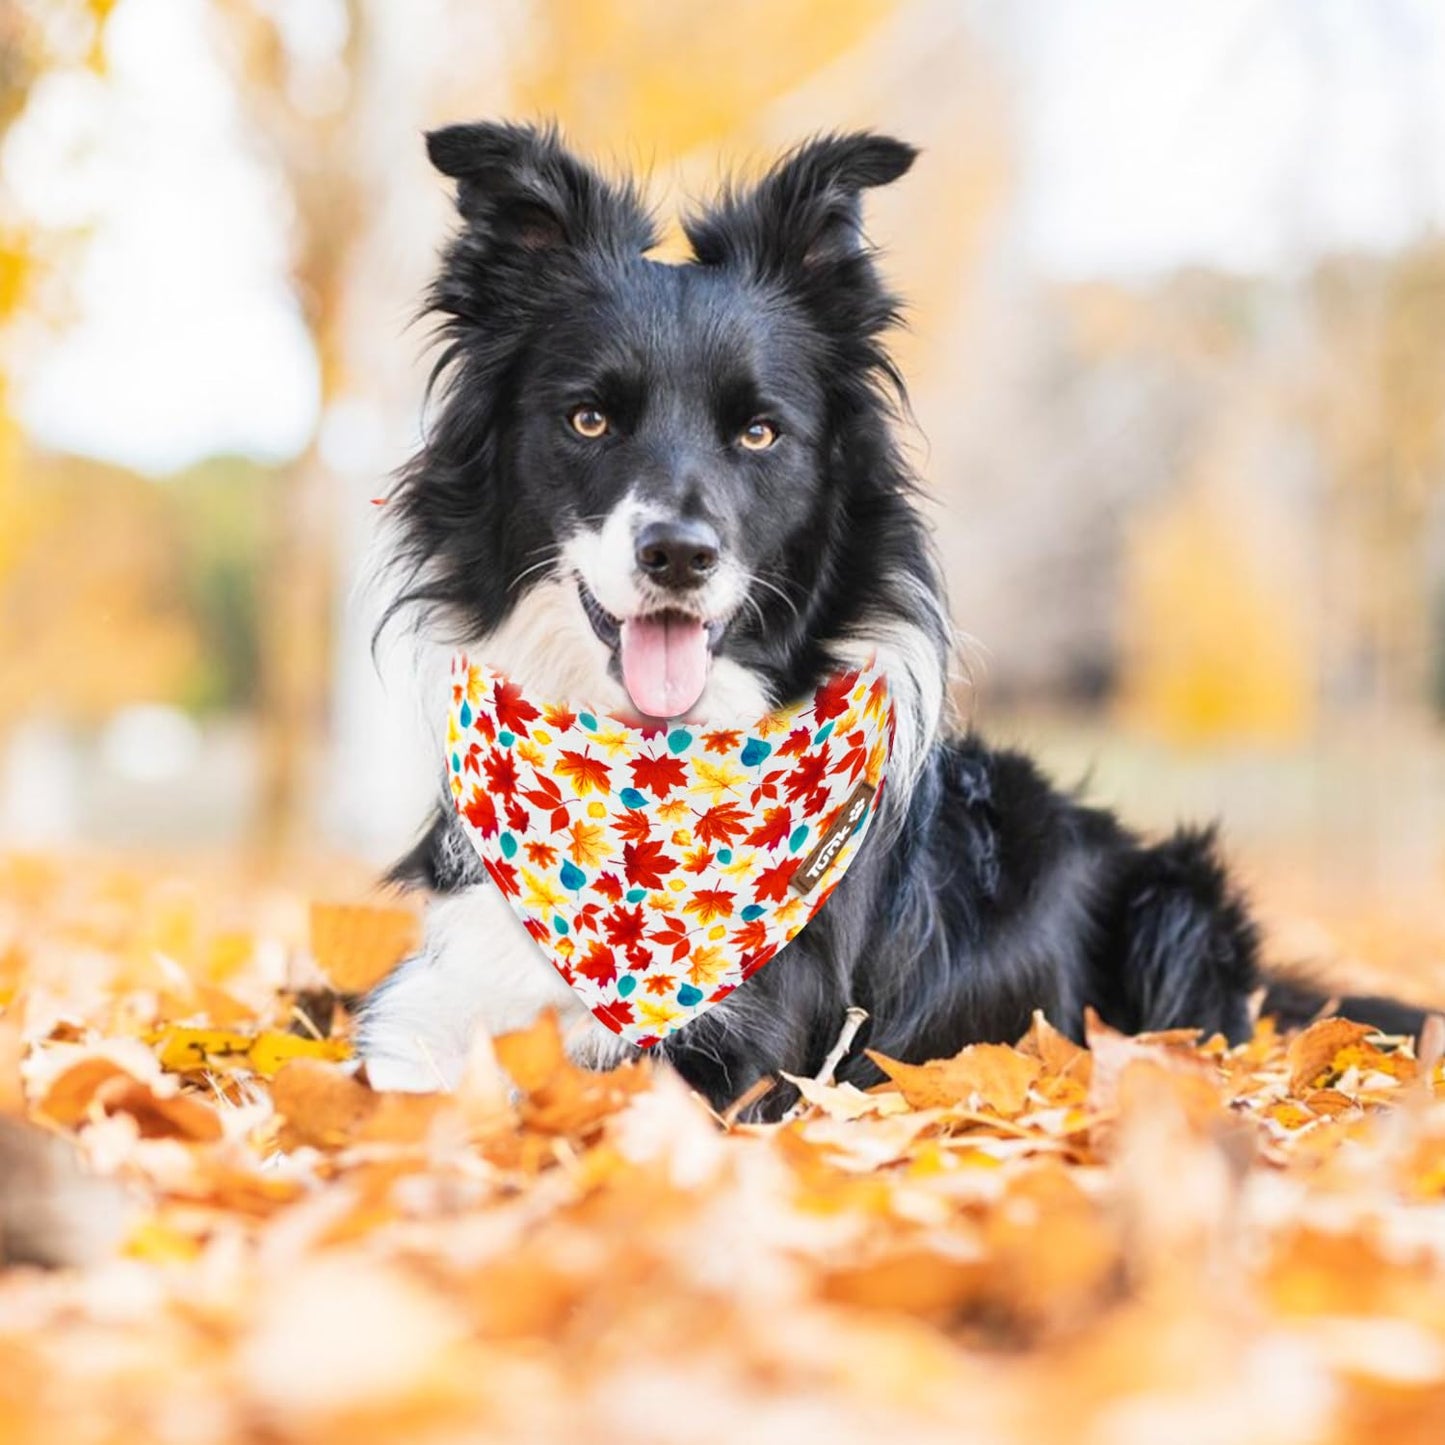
674, 811
540, 895
742, 865
662, 902
786, 912
589, 847
877, 756
475, 686
717, 781
657, 1014
706, 966
529, 752
615, 740
454, 732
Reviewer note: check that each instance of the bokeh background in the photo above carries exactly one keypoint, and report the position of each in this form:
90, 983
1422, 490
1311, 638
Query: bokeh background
1176, 278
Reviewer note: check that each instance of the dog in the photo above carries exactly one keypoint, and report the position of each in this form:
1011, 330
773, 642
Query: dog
678, 490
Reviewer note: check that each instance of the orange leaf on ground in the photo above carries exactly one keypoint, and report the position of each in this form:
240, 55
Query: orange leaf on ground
991, 1076
1312, 1053
356, 944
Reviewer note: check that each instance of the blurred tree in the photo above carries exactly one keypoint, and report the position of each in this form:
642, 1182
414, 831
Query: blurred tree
304, 102
1376, 406
36, 40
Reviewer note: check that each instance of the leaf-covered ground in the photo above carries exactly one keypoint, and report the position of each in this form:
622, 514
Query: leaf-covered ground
215, 1233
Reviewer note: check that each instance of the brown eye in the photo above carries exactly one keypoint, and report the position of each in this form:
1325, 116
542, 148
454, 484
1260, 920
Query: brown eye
758, 436
588, 422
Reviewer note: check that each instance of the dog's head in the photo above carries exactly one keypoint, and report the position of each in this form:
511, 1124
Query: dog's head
664, 440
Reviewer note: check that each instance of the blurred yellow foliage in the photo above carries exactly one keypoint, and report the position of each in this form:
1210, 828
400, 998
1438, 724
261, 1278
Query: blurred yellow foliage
1213, 630
617, 71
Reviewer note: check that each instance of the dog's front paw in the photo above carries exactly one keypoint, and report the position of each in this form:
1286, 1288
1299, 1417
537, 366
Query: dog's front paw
390, 1074
415, 1030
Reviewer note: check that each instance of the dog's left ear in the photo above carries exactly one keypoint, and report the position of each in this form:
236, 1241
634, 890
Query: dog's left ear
805, 216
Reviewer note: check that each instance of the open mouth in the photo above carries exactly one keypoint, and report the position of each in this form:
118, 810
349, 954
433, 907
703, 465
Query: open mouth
664, 655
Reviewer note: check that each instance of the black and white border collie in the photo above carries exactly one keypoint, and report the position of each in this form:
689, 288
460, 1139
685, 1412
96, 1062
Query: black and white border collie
677, 489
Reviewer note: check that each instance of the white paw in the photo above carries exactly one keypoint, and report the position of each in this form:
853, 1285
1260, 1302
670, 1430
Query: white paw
390, 1074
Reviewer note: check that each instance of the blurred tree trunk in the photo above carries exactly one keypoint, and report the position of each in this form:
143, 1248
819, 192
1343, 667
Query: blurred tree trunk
306, 110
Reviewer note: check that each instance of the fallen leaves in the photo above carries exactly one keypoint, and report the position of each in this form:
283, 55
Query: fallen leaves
199, 1050
982, 1076
1149, 1238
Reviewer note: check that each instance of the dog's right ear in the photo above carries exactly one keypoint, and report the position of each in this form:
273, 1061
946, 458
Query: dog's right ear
519, 187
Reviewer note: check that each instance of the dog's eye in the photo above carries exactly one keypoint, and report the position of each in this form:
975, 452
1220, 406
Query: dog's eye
758, 435
588, 422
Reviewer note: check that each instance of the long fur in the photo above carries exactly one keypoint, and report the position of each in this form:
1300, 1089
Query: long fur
985, 894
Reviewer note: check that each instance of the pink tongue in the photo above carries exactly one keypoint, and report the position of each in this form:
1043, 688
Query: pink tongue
664, 663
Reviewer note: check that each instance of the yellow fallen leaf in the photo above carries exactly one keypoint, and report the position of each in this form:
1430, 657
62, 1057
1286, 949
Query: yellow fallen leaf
183, 1050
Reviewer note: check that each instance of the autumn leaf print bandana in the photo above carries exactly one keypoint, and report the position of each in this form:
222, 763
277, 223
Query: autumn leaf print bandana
660, 866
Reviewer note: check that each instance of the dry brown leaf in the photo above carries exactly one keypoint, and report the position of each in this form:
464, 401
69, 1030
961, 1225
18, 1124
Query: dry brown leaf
100, 1084
1060, 1056
986, 1076
356, 944
326, 1107
1311, 1054
557, 1096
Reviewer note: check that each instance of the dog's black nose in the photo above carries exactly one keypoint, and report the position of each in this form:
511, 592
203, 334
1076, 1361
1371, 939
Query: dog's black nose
677, 554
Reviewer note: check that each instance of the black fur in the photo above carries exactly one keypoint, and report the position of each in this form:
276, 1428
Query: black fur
988, 894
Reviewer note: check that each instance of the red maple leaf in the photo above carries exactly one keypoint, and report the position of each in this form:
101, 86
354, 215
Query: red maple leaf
855, 759
503, 875
724, 740
660, 983
752, 962
623, 926
751, 936
559, 715
614, 1013
599, 963
512, 709
832, 698
481, 813
546, 793
470, 763
501, 770
673, 935
722, 824
795, 744
609, 886
516, 816
544, 855
776, 825
631, 825
658, 775
773, 882
807, 776
645, 863
639, 960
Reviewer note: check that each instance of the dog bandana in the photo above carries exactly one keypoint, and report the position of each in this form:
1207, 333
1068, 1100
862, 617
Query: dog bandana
659, 866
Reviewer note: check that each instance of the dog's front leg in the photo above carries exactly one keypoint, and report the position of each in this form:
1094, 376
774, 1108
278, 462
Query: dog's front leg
477, 968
